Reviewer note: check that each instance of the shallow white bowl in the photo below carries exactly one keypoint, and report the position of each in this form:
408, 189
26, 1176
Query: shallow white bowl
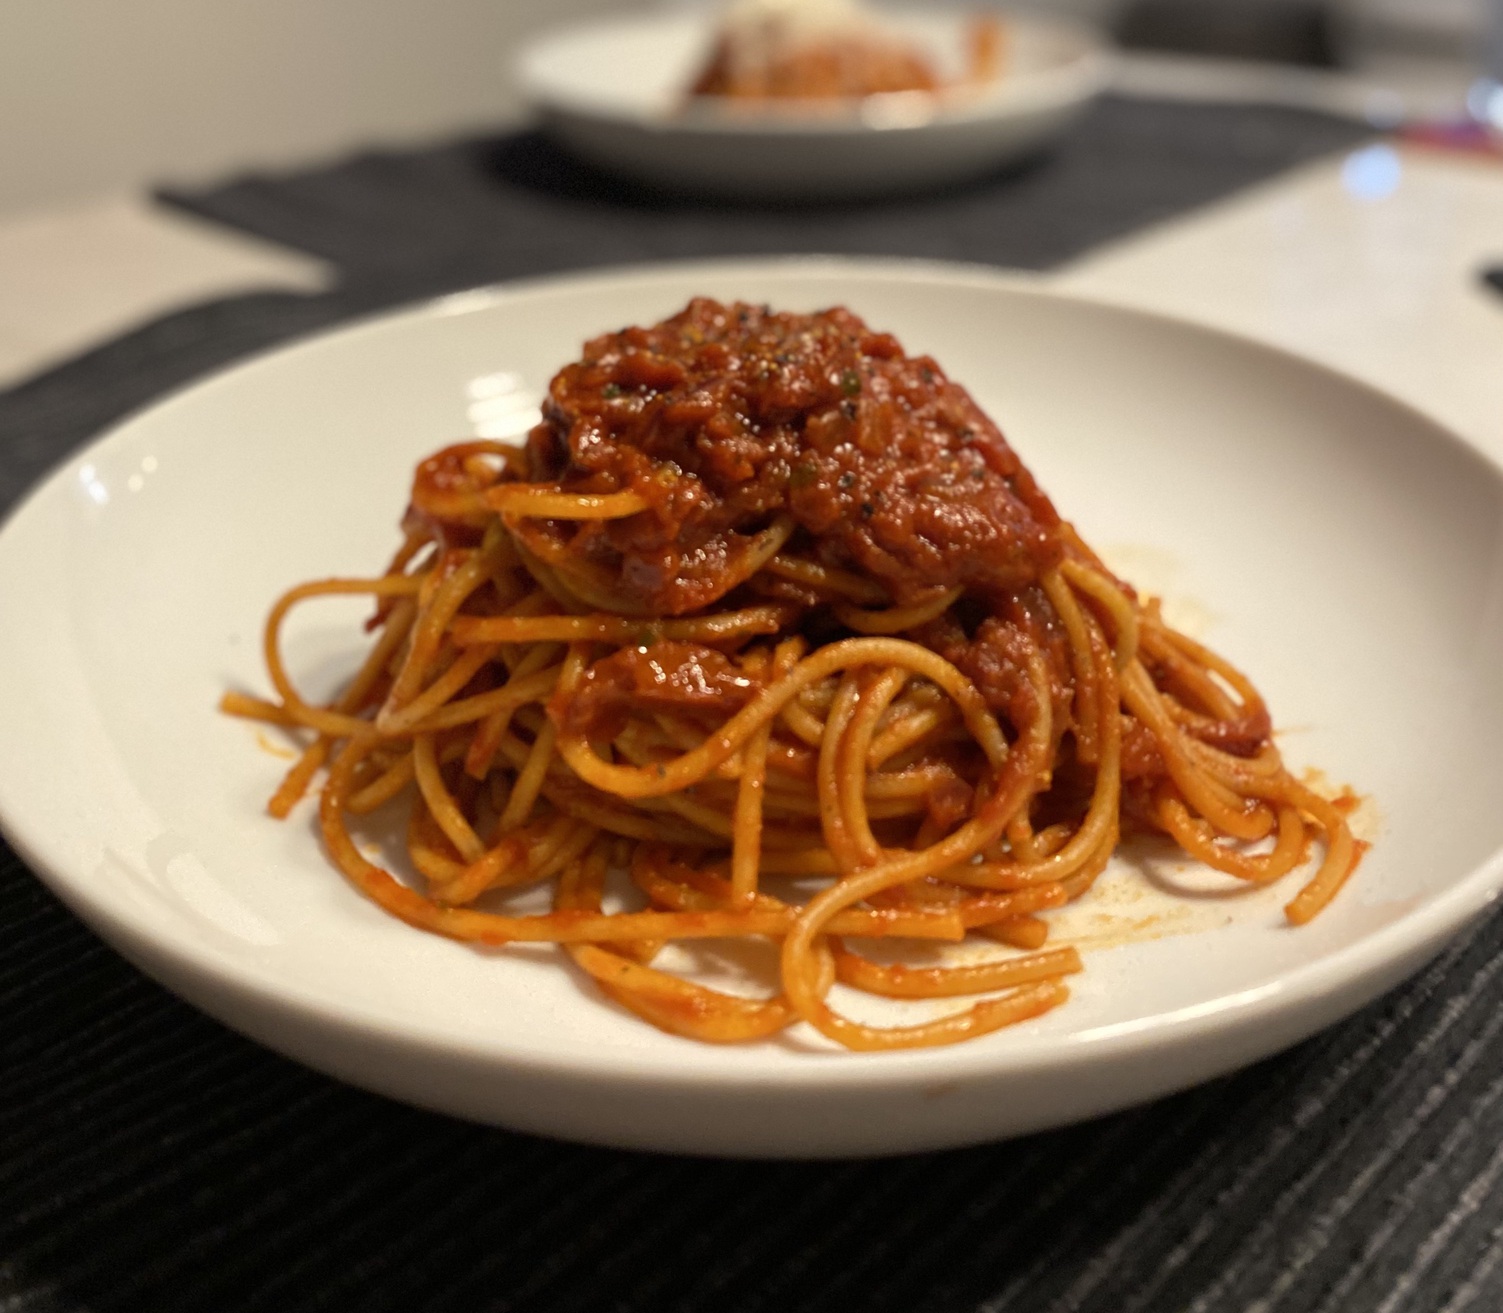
1344, 550
613, 91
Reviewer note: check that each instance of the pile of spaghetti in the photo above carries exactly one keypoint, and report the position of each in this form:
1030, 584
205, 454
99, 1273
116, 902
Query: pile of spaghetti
767, 633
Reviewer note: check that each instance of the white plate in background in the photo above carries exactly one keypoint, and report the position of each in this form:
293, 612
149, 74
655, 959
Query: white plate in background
1342, 549
614, 91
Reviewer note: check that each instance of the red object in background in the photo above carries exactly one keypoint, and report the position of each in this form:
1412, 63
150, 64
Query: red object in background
1466, 136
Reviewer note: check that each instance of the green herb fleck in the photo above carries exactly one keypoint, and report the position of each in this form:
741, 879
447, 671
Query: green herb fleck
611, 390
850, 383
802, 476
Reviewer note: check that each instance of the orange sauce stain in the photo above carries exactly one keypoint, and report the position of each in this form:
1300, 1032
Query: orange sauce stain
273, 748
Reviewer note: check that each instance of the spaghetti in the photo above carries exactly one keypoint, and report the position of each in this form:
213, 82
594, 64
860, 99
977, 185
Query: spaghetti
767, 633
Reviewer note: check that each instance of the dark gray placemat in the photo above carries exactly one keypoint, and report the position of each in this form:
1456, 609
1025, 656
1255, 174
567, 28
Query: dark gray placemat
149, 1159
515, 206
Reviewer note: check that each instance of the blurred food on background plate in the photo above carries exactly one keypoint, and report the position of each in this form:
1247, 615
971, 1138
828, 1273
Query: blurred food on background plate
774, 50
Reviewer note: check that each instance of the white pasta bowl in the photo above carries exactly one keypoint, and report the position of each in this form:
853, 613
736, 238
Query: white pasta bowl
1340, 548
614, 92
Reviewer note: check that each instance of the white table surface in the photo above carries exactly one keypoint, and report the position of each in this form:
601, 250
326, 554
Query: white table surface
79, 275
1369, 263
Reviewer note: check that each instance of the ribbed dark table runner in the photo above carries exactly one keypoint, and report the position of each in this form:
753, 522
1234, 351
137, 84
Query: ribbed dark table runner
150, 1159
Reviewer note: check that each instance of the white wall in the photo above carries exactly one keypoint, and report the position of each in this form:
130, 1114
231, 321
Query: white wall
100, 94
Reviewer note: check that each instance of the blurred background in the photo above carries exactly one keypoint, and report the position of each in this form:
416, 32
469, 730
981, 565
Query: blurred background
96, 96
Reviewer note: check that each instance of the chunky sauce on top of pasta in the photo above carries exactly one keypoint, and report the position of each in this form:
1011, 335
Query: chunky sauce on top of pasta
725, 416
